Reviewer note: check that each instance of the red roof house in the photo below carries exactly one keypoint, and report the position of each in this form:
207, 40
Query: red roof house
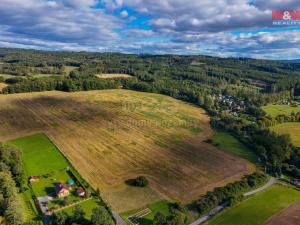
62, 190
80, 192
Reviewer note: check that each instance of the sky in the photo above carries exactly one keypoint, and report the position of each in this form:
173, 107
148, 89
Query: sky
224, 28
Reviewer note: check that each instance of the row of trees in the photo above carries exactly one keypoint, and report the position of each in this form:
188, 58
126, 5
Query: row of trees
11, 179
100, 216
177, 216
268, 121
228, 194
61, 84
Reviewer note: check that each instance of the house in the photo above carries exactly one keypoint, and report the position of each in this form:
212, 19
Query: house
32, 179
80, 192
62, 190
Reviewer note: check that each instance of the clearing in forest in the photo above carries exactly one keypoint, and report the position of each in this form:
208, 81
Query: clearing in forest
275, 110
113, 75
111, 136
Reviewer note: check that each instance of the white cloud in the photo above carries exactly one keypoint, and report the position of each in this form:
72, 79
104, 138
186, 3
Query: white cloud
175, 26
124, 13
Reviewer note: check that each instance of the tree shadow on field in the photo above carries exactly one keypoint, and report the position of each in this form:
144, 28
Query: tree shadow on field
130, 182
37, 111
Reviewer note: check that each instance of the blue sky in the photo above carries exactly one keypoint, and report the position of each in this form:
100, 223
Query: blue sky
238, 28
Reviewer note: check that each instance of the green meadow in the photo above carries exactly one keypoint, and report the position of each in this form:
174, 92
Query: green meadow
40, 156
160, 206
291, 128
275, 110
257, 209
230, 144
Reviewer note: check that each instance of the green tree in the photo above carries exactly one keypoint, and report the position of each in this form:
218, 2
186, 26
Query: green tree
100, 216
78, 215
60, 218
141, 181
159, 219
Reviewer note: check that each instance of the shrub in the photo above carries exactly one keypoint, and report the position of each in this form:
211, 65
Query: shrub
141, 181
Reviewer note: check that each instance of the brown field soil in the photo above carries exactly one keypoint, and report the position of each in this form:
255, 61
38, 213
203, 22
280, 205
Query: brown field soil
2, 85
111, 136
113, 75
288, 216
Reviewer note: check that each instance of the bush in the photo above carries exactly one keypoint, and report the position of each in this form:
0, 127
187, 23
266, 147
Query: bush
141, 181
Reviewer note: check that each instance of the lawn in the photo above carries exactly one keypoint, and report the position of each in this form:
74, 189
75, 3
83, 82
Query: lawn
257, 209
291, 128
40, 156
275, 110
161, 206
232, 145
87, 207
46, 186
31, 212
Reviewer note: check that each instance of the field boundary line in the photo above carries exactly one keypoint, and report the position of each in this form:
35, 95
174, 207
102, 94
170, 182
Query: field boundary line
75, 203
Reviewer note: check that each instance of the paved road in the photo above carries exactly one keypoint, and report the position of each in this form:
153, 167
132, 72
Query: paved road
119, 220
221, 207
267, 185
209, 215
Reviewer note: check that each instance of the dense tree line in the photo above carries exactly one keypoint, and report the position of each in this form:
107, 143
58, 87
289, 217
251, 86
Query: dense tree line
274, 151
177, 216
11, 179
268, 121
100, 216
61, 84
228, 194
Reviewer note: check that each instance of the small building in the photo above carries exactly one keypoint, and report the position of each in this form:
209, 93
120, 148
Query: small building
62, 190
80, 192
32, 179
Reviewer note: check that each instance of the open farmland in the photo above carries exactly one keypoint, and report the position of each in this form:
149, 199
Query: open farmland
288, 216
275, 110
291, 128
2, 85
114, 135
258, 208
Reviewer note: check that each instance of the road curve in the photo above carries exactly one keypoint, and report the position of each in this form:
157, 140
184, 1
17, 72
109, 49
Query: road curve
267, 185
221, 207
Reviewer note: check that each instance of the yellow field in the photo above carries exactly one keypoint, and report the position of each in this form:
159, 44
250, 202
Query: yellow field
113, 75
291, 128
2, 85
114, 135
